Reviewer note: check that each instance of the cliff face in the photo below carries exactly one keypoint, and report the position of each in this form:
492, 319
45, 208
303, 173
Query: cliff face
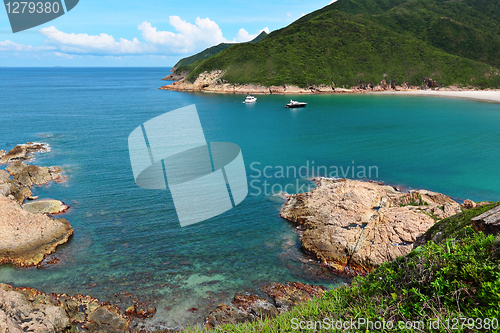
354, 226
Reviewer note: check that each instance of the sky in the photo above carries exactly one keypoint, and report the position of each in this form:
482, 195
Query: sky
156, 33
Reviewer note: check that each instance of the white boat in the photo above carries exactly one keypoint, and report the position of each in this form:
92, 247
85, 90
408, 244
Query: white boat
250, 99
295, 104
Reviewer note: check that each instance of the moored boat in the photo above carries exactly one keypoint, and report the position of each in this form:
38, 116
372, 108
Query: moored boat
250, 99
295, 104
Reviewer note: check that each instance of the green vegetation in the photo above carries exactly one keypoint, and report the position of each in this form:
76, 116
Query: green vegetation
207, 53
455, 275
353, 42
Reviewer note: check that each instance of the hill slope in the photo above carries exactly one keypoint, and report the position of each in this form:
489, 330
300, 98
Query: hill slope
207, 53
366, 41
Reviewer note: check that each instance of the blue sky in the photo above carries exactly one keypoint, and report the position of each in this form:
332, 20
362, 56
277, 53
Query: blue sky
139, 33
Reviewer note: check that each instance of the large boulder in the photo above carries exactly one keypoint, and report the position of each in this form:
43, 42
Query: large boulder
26, 238
354, 226
488, 222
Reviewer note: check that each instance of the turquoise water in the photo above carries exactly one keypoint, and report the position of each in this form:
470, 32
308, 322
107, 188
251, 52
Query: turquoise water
128, 239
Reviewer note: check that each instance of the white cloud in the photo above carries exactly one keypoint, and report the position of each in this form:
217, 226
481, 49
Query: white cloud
13, 46
93, 44
185, 38
189, 37
244, 36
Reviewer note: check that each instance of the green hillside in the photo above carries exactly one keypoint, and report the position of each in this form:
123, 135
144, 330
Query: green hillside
366, 41
207, 53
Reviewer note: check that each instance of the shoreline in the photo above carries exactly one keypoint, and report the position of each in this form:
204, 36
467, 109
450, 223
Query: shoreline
212, 83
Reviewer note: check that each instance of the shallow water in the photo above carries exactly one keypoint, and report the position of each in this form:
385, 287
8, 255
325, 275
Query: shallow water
129, 239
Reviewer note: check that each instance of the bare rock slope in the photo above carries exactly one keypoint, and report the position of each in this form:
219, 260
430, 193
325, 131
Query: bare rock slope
354, 226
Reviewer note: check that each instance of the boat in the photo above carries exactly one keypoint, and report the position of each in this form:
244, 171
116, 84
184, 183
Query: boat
295, 104
250, 99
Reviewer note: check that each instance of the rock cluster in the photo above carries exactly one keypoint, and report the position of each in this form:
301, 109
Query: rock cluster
26, 237
28, 310
22, 152
353, 226
249, 307
29, 175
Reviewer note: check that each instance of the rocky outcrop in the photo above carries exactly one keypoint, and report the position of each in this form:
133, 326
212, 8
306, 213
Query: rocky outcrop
488, 222
174, 76
26, 238
23, 152
28, 310
354, 226
46, 206
29, 175
249, 307
213, 82
12, 189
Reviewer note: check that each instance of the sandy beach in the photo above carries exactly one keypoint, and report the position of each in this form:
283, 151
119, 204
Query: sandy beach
492, 96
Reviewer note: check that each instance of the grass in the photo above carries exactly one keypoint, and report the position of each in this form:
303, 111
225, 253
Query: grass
454, 276
366, 41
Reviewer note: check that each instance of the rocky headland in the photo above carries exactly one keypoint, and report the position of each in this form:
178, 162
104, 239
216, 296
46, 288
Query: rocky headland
212, 82
354, 226
27, 234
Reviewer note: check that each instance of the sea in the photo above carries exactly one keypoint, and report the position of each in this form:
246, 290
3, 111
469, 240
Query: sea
128, 244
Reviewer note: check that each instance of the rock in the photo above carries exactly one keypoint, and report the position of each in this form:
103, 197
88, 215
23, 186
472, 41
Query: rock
174, 76
46, 206
26, 238
9, 187
354, 226
488, 222
23, 152
468, 204
249, 307
288, 295
29, 175
28, 310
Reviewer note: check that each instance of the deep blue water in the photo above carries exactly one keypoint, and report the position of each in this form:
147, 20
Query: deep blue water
129, 239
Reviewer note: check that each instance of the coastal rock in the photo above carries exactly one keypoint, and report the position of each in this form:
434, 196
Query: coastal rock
469, 204
488, 222
174, 76
11, 189
354, 226
28, 310
46, 206
288, 295
23, 152
29, 175
26, 238
249, 307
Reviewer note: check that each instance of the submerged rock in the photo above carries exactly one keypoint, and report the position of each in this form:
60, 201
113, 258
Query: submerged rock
26, 238
488, 222
46, 206
28, 310
354, 226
